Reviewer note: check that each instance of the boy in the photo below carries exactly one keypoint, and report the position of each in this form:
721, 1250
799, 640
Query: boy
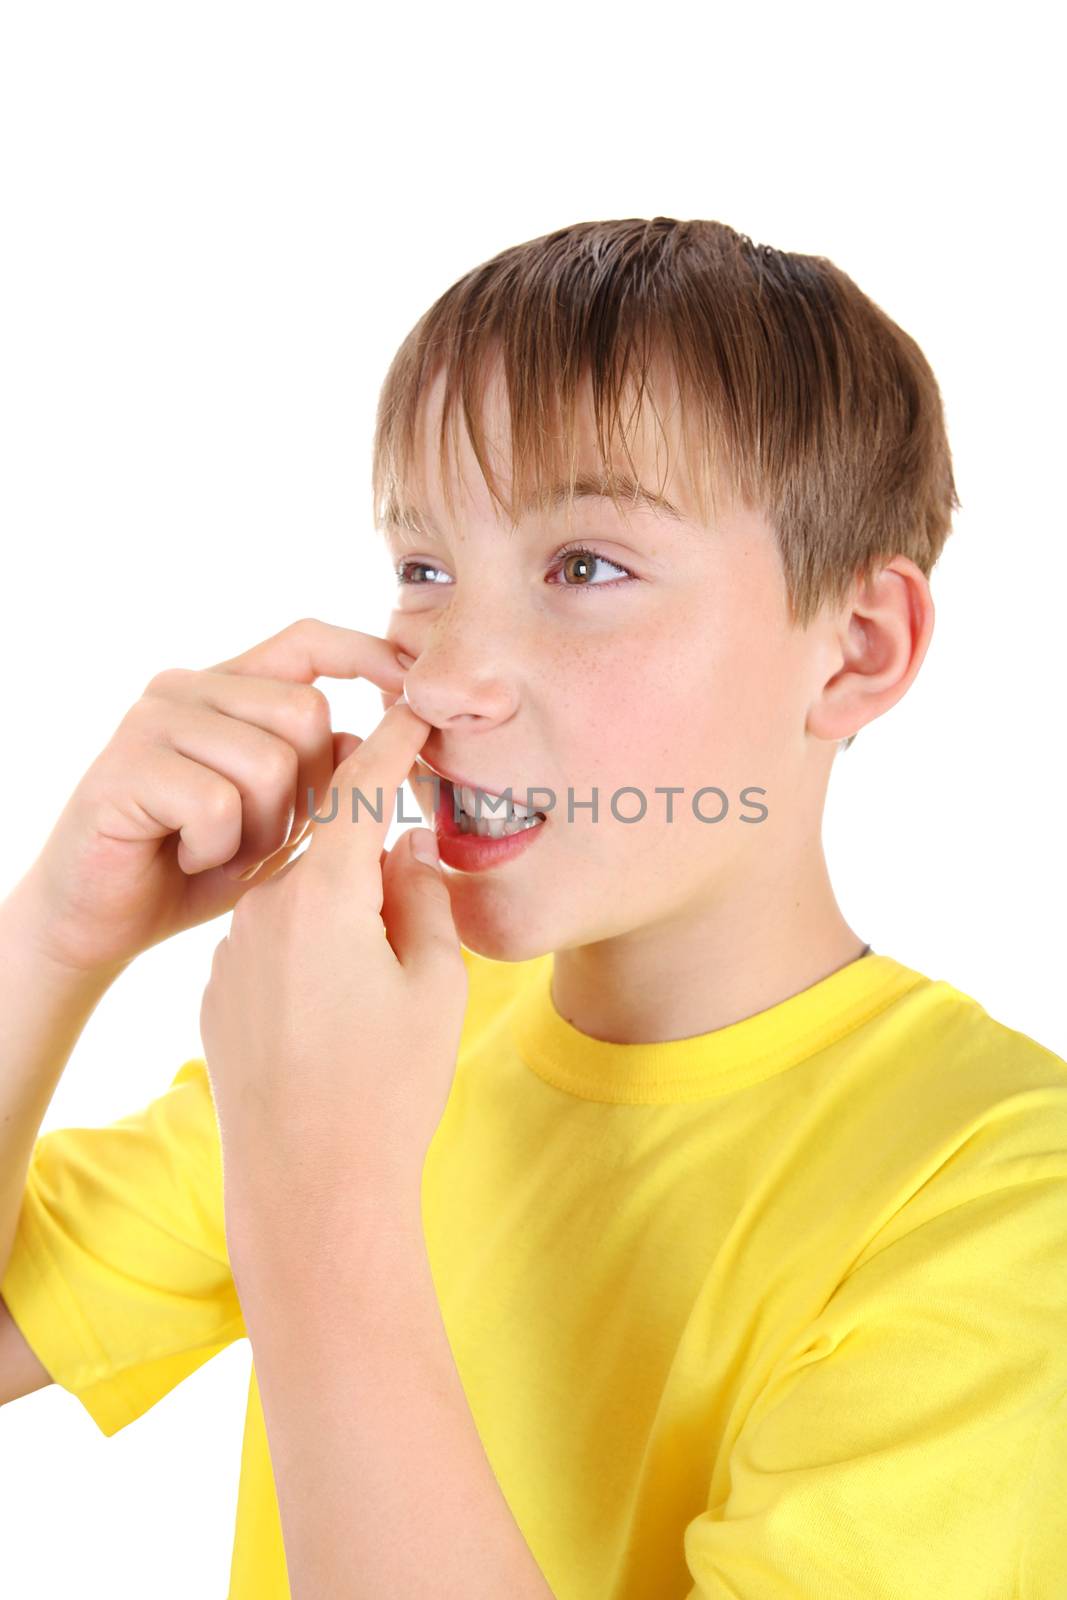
749, 1239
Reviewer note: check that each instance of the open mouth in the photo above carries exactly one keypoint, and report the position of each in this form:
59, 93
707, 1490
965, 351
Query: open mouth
473, 811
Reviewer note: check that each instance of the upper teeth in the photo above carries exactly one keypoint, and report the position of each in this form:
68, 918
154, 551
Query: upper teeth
497, 805
502, 821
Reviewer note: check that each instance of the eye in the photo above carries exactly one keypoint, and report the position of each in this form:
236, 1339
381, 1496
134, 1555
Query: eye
590, 559
403, 567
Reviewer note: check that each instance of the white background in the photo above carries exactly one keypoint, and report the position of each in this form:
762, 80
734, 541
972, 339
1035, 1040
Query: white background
220, 220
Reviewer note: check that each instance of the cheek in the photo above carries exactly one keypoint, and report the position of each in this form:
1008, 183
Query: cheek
692, 711
635, 726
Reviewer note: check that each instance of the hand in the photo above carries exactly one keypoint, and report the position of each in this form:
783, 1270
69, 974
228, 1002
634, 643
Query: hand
332, 1018
206, 776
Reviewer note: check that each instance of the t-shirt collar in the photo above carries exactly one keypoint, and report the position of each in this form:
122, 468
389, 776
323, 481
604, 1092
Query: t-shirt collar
706, 1064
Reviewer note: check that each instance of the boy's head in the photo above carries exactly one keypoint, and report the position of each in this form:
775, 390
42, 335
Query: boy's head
797, 436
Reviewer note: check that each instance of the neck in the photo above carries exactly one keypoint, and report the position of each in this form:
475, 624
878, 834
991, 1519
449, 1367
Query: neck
708, 966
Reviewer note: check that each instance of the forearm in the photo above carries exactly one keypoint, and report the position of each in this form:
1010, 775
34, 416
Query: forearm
43, 1009
383, 1483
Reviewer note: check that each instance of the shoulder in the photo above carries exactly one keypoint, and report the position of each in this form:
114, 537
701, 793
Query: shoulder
1003, 1062
967, 1126
943, 1039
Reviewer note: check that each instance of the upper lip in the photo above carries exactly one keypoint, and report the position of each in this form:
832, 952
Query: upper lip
469, 783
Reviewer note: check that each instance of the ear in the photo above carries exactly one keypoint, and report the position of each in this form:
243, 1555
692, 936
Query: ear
876, 642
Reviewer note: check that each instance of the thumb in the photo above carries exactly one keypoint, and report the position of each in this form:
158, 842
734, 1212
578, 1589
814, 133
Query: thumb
416, 904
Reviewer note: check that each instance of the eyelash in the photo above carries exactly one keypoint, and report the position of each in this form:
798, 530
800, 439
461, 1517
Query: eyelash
569, 550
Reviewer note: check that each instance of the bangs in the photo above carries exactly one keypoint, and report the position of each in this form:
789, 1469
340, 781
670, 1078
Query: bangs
581, 421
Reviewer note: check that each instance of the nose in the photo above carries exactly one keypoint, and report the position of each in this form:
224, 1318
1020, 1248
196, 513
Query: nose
456, 687
448, 704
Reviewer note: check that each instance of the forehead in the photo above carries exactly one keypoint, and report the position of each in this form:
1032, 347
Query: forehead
590, 488
652, 479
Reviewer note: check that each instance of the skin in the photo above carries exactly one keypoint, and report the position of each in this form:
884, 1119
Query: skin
691, 676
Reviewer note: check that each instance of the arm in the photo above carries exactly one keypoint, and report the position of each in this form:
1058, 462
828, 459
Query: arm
383, 1484
20, 1370
44, 1007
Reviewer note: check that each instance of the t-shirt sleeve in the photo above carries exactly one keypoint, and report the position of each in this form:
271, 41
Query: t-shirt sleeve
119, 1277
913, 1440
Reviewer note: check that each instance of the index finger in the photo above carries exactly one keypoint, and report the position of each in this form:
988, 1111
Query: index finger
311, 649
377, 769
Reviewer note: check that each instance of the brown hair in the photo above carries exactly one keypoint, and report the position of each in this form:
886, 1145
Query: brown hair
796, 389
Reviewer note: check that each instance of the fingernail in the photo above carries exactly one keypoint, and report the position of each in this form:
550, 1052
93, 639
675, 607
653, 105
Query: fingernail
424, 846
405, 660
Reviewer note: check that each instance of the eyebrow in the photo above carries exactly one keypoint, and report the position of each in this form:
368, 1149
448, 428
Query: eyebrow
587, 486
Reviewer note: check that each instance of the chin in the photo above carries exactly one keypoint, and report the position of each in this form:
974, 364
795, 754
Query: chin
499, 933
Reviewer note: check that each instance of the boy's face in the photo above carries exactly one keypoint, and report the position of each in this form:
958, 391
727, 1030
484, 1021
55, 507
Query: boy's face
537, 672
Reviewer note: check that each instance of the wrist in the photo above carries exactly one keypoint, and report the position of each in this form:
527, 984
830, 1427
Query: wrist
342, 1233
27, 946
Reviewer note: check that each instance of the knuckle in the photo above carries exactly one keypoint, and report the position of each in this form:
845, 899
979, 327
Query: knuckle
278, 766
167, 681
220, 804
140, 714
304, 625
313, 707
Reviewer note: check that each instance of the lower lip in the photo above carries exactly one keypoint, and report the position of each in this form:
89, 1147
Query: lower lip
469, 852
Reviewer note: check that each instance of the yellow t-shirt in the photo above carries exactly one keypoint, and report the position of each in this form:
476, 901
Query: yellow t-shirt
778, 1311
